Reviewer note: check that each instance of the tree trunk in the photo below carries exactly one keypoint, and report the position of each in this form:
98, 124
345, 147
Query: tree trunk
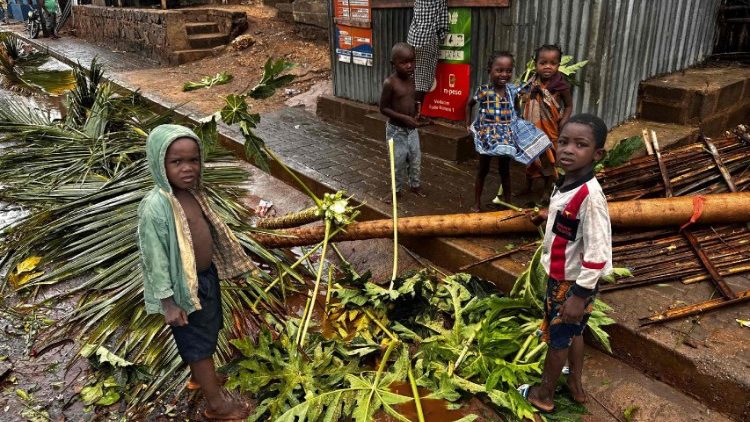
660, 212
295, 219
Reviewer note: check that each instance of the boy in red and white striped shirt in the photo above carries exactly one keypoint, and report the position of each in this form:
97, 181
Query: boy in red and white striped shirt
577, 251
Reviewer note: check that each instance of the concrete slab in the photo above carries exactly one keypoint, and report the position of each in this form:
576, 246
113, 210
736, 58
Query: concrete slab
669, 135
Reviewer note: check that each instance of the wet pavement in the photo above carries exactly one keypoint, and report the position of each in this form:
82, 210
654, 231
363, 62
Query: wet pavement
707, 353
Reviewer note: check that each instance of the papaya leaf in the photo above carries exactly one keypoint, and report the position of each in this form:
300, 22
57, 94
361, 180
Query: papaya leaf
272, 78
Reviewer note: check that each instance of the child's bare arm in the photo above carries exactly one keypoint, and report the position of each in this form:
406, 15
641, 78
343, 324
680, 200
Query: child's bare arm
386, 107
567, 99
469, 107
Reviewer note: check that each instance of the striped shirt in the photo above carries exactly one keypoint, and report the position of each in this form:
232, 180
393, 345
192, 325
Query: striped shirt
578, 240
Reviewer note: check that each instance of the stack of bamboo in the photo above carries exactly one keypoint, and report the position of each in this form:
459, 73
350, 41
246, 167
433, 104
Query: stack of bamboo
691, 169
665, 255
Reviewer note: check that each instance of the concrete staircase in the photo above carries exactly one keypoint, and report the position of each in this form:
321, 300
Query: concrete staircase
205, 40
682, 105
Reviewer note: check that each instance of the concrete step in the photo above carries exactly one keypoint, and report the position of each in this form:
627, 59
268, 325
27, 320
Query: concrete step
195, 28
439, 140
715, 98
613, 387
669, 135
185, 56
208, 40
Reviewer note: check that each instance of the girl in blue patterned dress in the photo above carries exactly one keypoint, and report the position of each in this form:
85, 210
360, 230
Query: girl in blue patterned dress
498, 131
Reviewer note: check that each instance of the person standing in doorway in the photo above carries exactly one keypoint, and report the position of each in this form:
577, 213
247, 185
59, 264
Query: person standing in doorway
428, 29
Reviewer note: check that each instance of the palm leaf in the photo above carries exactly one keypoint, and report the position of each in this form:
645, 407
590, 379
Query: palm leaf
82, 181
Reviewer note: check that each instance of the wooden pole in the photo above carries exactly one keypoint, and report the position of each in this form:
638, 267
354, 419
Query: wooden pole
660, 212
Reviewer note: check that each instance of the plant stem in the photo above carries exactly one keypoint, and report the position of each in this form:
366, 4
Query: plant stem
518, 209
383, 362
380, 325
308, 317
523, 348
466, 347
395, 212
415, 393
302, 321
535, 351
330, 286
294, 176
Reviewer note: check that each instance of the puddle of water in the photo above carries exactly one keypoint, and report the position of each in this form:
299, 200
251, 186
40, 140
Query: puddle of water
53, 82
42, 73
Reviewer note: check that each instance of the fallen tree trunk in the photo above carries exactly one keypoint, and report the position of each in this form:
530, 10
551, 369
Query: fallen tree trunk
660, 212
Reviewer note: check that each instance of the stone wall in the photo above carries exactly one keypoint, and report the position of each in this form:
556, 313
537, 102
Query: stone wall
309, 12
152, 33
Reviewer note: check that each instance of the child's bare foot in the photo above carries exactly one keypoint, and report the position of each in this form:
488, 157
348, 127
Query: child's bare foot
193, 384
576, 390
419, 192
230, 409
389, 199
544, 404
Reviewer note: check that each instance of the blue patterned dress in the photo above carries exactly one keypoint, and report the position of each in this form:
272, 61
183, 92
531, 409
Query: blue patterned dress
498, 131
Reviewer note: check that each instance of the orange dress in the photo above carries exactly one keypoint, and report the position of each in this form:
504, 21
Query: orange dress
540, 106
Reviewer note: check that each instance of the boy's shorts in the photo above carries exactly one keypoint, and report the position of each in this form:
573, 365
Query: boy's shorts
197, 340
557, 334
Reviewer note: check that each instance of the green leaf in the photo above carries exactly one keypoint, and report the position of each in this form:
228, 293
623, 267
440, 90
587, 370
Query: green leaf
629, 412
272, 79
622, 152
110, 397
91, 393
208, 82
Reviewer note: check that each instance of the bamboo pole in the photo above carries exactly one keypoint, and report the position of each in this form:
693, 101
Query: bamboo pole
646, 213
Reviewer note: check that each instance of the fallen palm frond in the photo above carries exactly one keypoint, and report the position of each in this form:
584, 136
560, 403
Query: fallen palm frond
207, 81
82, 181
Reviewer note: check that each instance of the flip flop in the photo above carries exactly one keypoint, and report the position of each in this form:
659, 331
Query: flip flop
524, 391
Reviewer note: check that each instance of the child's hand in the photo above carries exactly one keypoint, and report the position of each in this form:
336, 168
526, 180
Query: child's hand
173, 314
537, 217
412, 122
571, 312
423, 121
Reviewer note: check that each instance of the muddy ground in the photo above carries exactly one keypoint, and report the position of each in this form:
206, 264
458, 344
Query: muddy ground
305, 46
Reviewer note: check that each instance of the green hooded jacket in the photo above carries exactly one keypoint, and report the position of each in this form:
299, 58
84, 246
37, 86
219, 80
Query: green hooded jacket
164, 240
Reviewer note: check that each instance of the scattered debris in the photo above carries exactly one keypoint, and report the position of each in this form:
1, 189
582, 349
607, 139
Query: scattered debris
629, 412
207, 82
242, 42
291, 92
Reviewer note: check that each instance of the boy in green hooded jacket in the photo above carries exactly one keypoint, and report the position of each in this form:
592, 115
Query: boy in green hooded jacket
185, 250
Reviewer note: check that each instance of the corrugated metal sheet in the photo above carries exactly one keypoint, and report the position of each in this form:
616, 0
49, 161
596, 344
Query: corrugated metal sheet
625, 41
